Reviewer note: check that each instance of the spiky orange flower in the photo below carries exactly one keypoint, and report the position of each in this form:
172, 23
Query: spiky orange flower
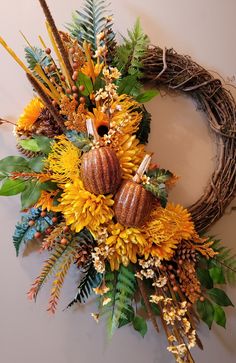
84, 209
125, 115
127, 243
166, 228
130, 154
47, 201
29, 115
63, 161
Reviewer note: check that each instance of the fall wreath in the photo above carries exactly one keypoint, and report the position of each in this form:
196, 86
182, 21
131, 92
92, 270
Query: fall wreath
93, 199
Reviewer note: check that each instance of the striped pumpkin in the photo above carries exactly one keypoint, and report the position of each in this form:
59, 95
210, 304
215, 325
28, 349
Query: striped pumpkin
100, 171
133, 204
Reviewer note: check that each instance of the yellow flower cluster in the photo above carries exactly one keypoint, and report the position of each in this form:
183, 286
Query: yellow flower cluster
166, 228
84, 209
128, 243
63, 161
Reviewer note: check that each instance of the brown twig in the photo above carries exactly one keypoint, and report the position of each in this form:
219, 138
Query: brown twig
47, 102
3, 121
56, 35
144, 295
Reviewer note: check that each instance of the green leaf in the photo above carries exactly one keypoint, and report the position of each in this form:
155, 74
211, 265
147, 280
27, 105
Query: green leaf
129, 85
31, 194
147, 96
217, 275
205, 310
159, 191
144, 127
44, 143
219, 297
140, 325
219, 316
205, 278
29, 144
160, 175
129, 55
13, 163
37, 164
86, 82
128, 318
12, 187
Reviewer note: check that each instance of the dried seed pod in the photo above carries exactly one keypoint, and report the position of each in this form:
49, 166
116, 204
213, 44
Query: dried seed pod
100, 168
133, 203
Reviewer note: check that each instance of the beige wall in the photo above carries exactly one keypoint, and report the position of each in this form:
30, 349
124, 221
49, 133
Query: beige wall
206, 31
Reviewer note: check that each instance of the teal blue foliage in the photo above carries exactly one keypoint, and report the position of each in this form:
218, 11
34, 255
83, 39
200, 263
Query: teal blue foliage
24, 232
87, 24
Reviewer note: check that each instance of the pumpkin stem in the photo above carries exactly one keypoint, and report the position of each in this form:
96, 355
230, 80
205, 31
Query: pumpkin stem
142, 168
91, 129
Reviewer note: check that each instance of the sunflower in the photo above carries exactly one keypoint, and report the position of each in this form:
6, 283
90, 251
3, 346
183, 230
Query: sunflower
29, 115
64, 160
84, 209
166, 228
127, 243
99, 118
130, 154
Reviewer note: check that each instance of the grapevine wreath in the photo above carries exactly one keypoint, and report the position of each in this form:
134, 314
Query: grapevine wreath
91, 195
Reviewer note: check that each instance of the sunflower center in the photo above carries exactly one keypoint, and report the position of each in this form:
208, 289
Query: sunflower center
102, 130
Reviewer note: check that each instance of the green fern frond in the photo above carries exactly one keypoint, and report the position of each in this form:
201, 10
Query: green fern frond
225, 258
86, 25
91, 279
60, 253
122, 287
129, 55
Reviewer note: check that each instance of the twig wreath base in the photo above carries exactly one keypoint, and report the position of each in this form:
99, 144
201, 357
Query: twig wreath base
180, 73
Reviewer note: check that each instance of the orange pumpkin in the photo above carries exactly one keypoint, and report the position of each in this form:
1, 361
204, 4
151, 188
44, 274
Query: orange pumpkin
133, 204
100, 171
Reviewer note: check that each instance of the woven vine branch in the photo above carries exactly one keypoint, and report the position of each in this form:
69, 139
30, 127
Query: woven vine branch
180, 73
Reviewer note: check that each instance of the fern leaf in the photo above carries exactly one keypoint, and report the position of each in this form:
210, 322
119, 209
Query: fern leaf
63, 267
130, 54
91, 279
122, 287
90, 22
50, 266
36, 56
226, 258
25, 232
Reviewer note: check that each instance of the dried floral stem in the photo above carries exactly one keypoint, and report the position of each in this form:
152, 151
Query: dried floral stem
56, 35
3, 121
47, 102
144, 295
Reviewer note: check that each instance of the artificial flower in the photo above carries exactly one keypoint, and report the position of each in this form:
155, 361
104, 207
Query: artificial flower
84, 209
128, 244
47, 201
166, 228
29, 115
130, 154
63, 160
